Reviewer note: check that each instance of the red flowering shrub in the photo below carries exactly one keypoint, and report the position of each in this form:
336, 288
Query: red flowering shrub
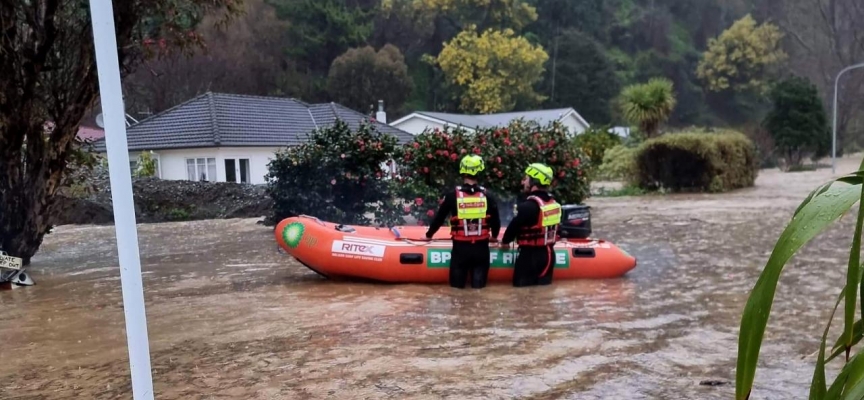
337, 174
430, 164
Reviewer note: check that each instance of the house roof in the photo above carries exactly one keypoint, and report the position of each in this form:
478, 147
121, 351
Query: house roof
88, 132
543, 117
220, 119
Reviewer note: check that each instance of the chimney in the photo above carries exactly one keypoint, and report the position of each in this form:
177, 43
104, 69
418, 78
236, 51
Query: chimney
381, 116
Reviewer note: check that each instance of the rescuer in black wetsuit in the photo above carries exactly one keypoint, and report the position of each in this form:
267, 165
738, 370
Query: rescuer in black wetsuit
474, 222
535, 229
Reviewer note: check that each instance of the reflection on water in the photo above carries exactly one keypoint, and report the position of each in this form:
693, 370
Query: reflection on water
229, 315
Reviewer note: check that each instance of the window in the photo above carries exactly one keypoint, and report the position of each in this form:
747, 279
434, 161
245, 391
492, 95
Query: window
201, 169
133, 165
237, 170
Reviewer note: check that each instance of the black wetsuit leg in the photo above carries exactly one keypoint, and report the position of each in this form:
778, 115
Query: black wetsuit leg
547, 268
479, 264
532, 262
469, 259
459, 263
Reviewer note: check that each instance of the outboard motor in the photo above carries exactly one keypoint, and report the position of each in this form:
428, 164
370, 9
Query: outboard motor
575, 222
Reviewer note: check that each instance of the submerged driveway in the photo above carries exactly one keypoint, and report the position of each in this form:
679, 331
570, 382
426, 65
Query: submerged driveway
231, 317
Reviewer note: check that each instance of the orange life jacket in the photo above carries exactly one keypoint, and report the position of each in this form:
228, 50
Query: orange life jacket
545, 230
470, 222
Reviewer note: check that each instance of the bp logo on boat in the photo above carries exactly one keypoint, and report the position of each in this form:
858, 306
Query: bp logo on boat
292, 234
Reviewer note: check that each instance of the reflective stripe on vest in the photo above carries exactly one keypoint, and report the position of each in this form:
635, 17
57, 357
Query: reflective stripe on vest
550, 213
470, 222
545, 230
473, 207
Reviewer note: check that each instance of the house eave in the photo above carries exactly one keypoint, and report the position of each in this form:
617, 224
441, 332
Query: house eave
578, 117
432, 119
204, 146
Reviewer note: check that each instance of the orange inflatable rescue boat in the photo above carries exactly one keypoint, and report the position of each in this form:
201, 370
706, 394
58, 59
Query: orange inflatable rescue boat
400, 255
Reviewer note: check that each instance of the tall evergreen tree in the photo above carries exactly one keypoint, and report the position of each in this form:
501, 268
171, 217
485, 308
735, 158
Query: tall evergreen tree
582, 77
798, 122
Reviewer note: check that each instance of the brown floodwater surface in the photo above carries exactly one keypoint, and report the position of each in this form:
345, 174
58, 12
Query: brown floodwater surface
229, 316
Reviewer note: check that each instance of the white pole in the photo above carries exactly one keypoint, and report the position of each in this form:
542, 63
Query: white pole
834, 123
834, 129
105, 42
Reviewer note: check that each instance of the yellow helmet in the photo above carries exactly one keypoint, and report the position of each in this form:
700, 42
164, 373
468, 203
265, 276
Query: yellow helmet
540, 172
471, 165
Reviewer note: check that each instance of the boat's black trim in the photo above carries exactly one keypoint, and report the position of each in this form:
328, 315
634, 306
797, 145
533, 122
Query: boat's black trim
411, 258
583, 253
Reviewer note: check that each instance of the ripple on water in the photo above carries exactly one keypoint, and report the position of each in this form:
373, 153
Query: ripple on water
228, 316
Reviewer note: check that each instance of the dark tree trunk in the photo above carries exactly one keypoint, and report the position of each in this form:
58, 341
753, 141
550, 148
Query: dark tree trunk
29, 180
22, 224
47, 87
649, 129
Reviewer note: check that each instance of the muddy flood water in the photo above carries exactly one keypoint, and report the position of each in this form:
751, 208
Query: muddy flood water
229, 316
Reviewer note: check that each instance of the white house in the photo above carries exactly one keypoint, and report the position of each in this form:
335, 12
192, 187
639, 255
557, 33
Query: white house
416, 122
231, 138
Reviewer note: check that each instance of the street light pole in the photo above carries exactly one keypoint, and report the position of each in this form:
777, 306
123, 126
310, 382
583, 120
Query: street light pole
834, 123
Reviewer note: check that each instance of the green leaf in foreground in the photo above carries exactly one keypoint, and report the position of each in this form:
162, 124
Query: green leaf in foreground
857, 329
823, 207
854, 382
852, 277
848, 380
840, 346
817, 385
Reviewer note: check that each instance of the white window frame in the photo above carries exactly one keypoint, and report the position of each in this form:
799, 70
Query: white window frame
133, 164
158, 165
237, 168
202, 169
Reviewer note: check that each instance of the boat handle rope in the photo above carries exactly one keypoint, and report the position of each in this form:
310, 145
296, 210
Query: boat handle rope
426, 242
312, 217
421, 241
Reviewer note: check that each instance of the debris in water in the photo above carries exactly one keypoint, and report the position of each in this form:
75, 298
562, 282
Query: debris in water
713, 382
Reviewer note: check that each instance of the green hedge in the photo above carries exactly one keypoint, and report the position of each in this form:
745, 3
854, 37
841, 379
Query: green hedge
697, 160
619, 164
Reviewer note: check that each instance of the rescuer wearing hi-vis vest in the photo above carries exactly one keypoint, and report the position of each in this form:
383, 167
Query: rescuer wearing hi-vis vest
535, 229
474, 222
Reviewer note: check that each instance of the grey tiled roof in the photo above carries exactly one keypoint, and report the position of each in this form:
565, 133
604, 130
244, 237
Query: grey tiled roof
326, 114
219, 119
543, 117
